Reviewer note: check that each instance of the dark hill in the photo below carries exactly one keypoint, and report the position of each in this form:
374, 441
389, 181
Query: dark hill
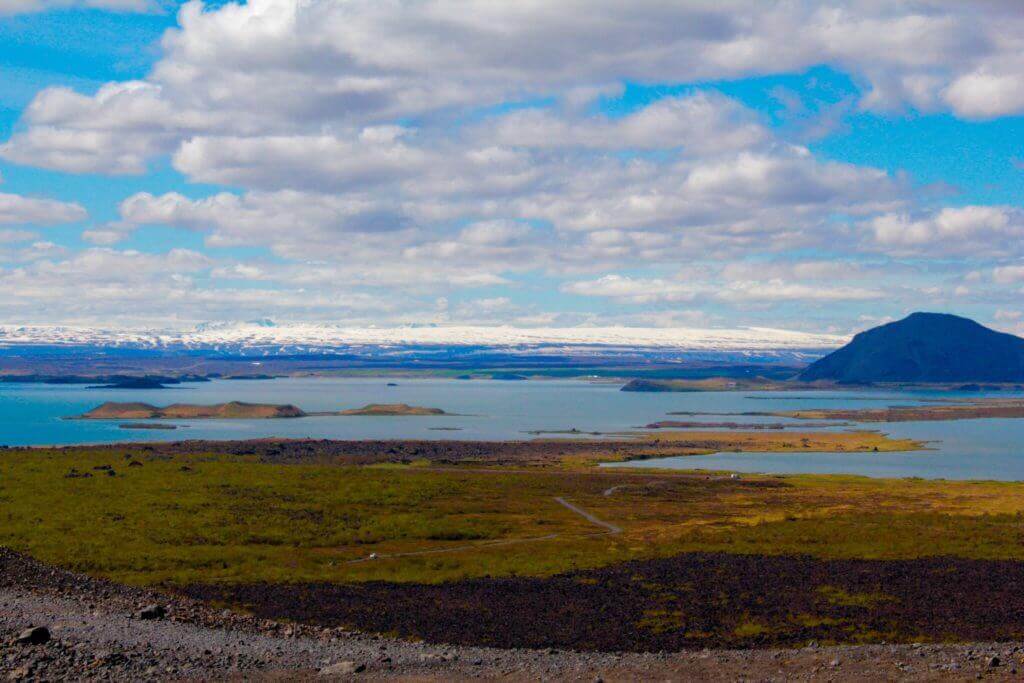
925, 347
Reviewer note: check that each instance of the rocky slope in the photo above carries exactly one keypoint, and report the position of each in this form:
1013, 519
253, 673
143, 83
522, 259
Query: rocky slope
95, 630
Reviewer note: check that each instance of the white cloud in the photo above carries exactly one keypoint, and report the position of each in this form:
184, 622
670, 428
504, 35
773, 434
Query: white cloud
107, 235
633, 290
994, 230
793, 270
645, 291
783, 290
114, 286
19, 210
431, 145
14, 236
283, 69
987, 94
116, 131
753, 200
494, 232
1008, 275
700, 123
24, 6
372, 156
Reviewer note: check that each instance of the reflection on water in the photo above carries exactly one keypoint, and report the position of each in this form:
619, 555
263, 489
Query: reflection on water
31, 414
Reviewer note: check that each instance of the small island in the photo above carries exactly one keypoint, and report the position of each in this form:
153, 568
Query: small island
391, 410
147, 425
678, 424
180, 411
706, 384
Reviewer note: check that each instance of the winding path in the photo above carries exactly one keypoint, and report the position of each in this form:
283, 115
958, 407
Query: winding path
612, 529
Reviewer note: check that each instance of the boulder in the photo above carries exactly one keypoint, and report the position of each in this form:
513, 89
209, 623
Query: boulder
346, 668
152, 612
37, 635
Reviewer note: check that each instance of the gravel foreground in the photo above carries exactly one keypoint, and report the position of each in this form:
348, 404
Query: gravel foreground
102, 631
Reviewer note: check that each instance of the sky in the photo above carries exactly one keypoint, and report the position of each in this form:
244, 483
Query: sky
815, 166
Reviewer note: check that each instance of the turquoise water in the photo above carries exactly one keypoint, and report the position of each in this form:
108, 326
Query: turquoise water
962, 449
33, 414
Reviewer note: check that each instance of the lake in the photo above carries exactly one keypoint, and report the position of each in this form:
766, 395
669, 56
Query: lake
33, 414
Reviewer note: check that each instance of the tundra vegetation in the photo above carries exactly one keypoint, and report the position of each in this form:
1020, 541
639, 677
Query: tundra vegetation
324, 539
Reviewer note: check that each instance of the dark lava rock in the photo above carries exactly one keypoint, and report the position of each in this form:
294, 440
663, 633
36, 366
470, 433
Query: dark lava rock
152, 612
37, 635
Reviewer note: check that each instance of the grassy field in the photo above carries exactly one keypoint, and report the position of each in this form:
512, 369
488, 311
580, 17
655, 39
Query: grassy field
209, 518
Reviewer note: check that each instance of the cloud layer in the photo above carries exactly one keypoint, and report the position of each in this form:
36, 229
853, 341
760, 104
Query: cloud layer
436, 160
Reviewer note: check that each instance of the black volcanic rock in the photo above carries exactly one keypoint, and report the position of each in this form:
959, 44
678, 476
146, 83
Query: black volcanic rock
924, 347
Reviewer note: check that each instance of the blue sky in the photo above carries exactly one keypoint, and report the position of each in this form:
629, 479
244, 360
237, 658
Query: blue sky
812, 166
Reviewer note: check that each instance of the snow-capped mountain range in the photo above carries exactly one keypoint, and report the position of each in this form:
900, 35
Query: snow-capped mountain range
313, 337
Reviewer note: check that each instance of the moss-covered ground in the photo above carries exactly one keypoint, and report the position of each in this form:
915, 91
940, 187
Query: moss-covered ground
175, 520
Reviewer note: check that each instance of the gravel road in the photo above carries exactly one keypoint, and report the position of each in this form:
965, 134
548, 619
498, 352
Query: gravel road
97, 632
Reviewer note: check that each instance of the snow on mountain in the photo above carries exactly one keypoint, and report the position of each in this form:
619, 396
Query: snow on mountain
265, 333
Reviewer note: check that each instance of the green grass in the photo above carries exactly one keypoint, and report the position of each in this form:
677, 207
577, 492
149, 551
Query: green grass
232, 519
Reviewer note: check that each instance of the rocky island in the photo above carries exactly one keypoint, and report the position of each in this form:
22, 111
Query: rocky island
237, 410
182, 411
391, 410
706, 384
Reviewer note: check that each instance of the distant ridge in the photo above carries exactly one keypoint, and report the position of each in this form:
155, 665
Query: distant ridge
263, 334
924, 347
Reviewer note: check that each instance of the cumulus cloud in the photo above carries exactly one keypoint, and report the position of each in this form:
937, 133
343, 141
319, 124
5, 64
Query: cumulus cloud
426, 146
783, 290
993, 230
117, 286
372, 156
602, 209
701, 123
14, 236
116, 131
283, 68
633, 290
988, 93
8, 7
1008, 275
19, 210
644, 291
